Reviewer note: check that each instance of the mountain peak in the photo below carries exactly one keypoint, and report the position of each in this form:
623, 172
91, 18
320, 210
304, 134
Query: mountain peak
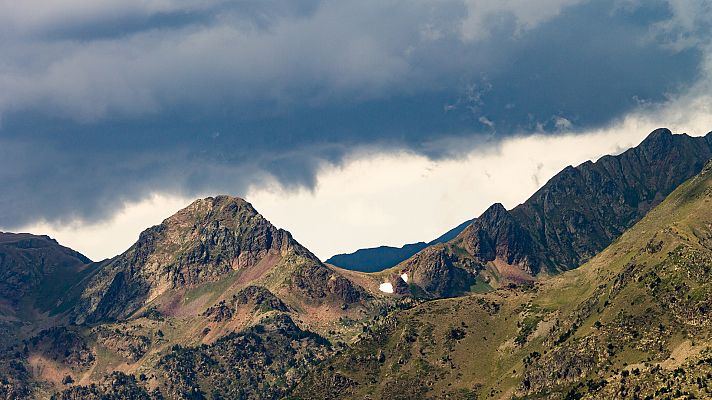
212, 239
495, 211
659, 132
220, 200
657, 138
223, 205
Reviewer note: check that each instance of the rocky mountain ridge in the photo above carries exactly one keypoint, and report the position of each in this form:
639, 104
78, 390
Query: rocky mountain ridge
635, 322
572, 217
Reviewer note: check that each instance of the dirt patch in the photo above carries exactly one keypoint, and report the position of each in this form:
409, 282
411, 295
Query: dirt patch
171, 305
47, 370
511, 273
680, 354
252, 274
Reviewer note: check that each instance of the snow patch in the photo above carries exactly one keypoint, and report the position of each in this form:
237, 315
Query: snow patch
404, 277
386, 287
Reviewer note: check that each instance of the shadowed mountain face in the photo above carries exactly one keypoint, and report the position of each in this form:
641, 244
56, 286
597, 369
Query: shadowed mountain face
377, 258
572, 217
210, 240
582, 210
36, 268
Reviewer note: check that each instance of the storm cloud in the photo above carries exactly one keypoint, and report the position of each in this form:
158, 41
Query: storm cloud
107, 102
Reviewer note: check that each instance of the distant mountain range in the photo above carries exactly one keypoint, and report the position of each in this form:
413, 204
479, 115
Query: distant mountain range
216, 302
383, 257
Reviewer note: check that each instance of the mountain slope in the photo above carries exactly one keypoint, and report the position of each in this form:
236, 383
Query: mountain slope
35, 271
634, 322
377, 259
221, 239
573, 216
213, 288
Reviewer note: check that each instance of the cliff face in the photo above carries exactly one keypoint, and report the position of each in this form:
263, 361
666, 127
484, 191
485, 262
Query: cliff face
575, 215
582, 210
497, 235
205, 242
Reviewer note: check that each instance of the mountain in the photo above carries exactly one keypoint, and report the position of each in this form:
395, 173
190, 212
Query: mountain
35, 271
216, 302
376, 258
214, 240
214, 294
634, 322
576, 214
383, 257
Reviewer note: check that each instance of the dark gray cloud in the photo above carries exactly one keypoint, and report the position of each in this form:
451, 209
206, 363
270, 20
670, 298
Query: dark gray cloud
102, 104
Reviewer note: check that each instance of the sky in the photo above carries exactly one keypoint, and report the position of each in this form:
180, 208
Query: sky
351, 124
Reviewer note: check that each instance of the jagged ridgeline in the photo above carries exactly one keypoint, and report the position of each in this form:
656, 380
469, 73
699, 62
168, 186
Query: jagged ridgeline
575, 215
635, 322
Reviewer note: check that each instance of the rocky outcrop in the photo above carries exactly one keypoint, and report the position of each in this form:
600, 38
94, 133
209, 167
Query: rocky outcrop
259, 296
439, 272
129, 346
256, 297
315, 281
497, 235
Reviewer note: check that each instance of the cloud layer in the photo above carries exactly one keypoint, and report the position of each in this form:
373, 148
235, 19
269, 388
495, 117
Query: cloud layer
103, 103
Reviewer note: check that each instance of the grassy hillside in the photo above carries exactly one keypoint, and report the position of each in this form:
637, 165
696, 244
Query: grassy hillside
634, 322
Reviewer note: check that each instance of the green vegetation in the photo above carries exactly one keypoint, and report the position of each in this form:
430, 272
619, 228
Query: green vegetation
634, 322
480, 286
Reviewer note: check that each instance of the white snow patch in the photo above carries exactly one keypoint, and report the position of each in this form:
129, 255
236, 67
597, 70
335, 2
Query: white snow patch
386, 287
404, 277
